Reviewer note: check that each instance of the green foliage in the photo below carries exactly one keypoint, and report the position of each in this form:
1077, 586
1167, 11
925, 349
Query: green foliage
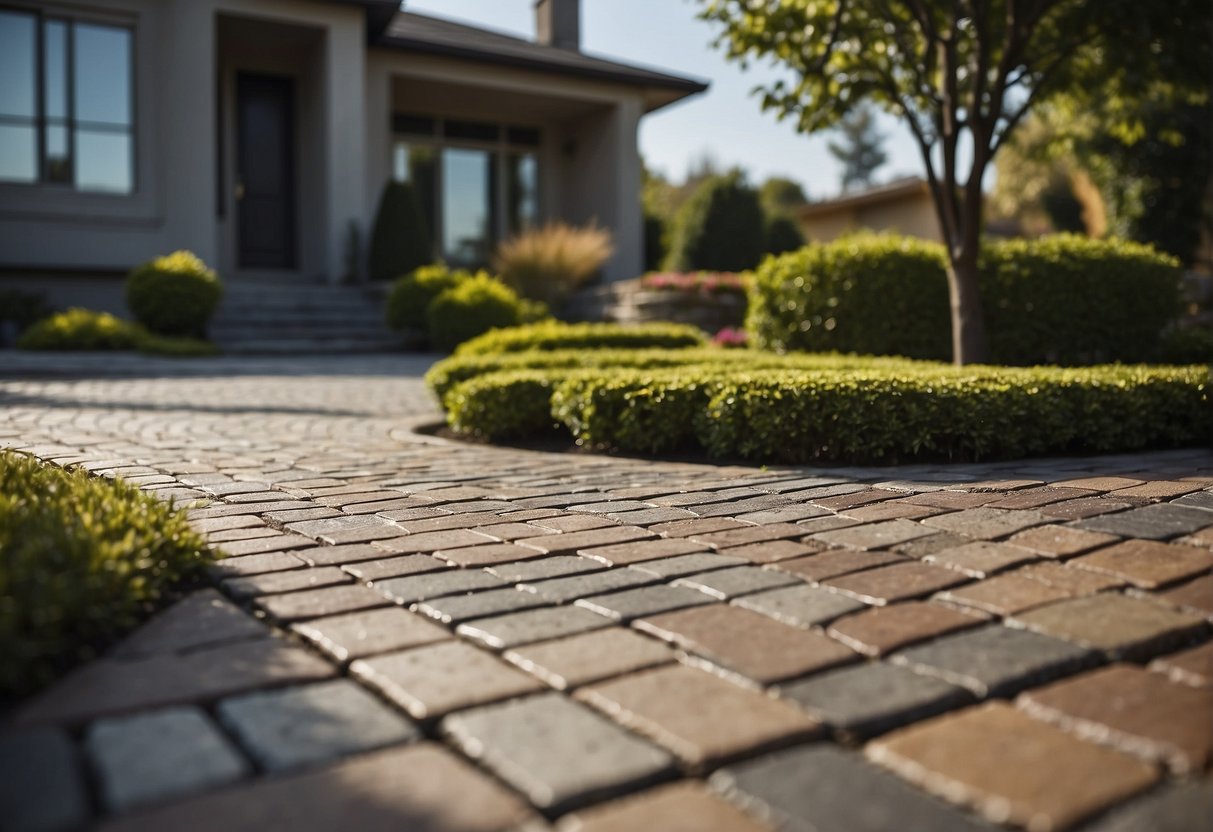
400, 238
783, 235
412, 294
506, 405
1187, 345
82, 561
83, 329
475, 306
632, 410
557, 335
780, 195
880, 295
174, 295
860, 149
547, 263
720, 228
654, 241
1067, 299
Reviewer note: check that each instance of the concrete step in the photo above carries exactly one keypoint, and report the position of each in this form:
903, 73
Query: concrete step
285, 319
253, 333
305, 346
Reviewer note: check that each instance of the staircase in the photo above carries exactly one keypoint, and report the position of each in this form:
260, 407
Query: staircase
289, 319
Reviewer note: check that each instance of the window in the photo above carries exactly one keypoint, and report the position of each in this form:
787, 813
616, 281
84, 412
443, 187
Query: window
478, 182
66, 104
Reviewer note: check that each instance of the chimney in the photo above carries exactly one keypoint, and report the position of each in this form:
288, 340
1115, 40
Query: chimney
558, 23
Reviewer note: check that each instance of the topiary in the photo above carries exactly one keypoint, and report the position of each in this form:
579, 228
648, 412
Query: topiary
783, 235
720, 228
411, 295
174, 295
400, 239
471, 308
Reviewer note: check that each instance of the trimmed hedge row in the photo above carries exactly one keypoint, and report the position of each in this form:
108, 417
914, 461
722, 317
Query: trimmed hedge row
555, 335
873, 415
84, 329
84, 560
1057, 300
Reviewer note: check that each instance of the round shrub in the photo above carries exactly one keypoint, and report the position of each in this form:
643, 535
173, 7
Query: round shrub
81, 329
557, 335
874, 294
174, 295
504, 405
471, 308
783, 235
720, 228
411, 295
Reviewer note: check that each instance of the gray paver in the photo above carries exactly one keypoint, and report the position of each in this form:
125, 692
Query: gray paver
314, 603
502, 631
413, 588
564, 590
160, 755
298, 726
800, 605
558, 753
1155, 522
37, 764
452, 609
544, 568
1177, 808
645, 600
676, 567
202, 619
724, 584
359, 634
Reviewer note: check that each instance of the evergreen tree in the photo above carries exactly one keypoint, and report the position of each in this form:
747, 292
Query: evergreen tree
861, 149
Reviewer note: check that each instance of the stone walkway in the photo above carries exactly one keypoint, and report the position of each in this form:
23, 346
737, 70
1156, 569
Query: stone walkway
406, 633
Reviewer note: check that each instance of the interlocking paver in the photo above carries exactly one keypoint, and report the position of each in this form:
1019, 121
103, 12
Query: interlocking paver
681, 807
544, 568
836, 562
1157, 490
413, 588
1102, 484
255, 564
558, 753
1169, 809
1005, 594
292, 727
1193, 666
290, 581
360, 634
340, 555
875, 535
1120, 627
487, 555
1160, 521
1196, 595
643, 550
201, 619
747, 643
571, 542
680, 565
646, 600
1037, 497
703, 525
896, 582
160, 755
987, 523
570, 588
1138, 711
42, 786
1073, 580
426, 543
502, 631
744, 535
823, 788
1012, 767
996, 660
1060, 541
772, 551
279, 543
1083, 507
590, 657
453, 609
700, 717
981, 559
724, 584
434, 680
393, 567
800, 605
314, 603
1147, 563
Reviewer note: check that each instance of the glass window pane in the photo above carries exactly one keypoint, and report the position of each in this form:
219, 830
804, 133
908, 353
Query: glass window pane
103, 74
466, 201
54, 69
18, 153
16, 66
522, 191
103, 161
400, 162
58, 155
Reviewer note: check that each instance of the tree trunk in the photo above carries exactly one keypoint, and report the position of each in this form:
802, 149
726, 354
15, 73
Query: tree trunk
968, 325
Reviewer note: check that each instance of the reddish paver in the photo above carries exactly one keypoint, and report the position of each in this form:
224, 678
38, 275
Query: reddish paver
1103, 484
439, 678
1083, 507
1157, 490
1120, 626
1193, 666
772, 550
1005, 594
574, 523
889, 510
1148, 563
882, 630
854, 499
682, 807
1036, 497
837, 562
951, 500
429, 542
1060, 541
751, 644
642, 550
570, 542
749, 534
1073, 580
590, 657
1195, 595
702, 525
1133, 709
699, 716
1011, 767
359, 634
981, 559
898, 582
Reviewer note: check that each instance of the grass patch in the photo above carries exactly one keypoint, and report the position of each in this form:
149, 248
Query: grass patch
82, 561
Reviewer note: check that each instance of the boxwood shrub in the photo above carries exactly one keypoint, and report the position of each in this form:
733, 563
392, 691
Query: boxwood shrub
475, 306
504, 405
82, 560
173, 295
556, 335
1057, 300
411, 295
83, 329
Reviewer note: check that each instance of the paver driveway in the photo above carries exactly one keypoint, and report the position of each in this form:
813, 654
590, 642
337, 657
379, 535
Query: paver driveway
407, 633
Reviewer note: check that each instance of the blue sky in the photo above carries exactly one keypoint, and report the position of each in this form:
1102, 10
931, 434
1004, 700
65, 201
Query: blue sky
725, 122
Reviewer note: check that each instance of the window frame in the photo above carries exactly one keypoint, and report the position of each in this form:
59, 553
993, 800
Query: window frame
71, 16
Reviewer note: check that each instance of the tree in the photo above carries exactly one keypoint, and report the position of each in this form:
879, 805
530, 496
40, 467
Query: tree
720, 228
780, 195
961, 74
400, 238
861, 149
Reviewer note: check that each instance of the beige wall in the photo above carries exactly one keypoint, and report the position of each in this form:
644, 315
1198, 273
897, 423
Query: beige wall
910, 214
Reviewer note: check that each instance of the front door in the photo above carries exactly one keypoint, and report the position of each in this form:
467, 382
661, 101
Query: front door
265, 171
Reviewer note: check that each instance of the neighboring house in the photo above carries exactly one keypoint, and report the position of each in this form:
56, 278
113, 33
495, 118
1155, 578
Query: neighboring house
903, 206
258, 132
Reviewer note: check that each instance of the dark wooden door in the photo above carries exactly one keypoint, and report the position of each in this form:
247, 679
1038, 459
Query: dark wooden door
265, 171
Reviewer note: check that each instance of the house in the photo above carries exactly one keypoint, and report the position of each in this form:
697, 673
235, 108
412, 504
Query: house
903, 206
258, 133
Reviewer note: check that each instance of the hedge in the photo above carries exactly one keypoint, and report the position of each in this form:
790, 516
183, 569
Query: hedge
84, 329
881, 414
1057, 300
84, 560
174, 295
411, 295
475, 306
555, 335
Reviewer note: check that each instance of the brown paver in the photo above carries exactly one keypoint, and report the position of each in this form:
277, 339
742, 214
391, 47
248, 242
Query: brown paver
889, 510
642, 550
359, 634
746, 642
1037, 497
1083, 507
682, 807
1060, 541
875, 535
340, 555
393, 567
255, 564
422, 788
1012, 767
981, 559
1157, 490
1193, 666
590, 657
702, 718
987, 523
836, 562
881, 630
898, 582
1137, 711
854, 499
772, 550
1005, 594
1073, 580
431, 681
427, 543
1148, 563
1195, 595
729, 538
1103, 484
951, 500
1120, 626
701, 525
487, 555
280, 543
571, 542
314, 603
